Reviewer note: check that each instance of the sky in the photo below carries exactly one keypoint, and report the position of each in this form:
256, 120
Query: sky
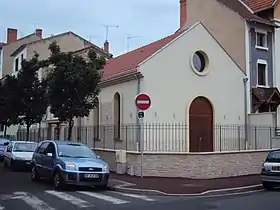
145, 20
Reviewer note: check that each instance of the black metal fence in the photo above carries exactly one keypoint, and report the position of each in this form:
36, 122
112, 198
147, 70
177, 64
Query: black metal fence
163, 137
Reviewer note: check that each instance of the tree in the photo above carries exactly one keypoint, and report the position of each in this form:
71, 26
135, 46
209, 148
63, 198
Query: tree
33, 103
9, 98
73, 84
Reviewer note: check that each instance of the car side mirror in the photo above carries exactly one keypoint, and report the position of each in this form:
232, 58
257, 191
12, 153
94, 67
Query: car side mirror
98, 156
49, 154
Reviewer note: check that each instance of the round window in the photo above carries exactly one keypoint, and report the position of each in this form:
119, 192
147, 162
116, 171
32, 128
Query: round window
199, 61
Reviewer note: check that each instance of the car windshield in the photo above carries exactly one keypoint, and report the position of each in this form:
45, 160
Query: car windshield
75, 151
273, 157
25, 147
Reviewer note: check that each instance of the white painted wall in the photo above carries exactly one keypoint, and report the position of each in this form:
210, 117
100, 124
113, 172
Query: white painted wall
172, 85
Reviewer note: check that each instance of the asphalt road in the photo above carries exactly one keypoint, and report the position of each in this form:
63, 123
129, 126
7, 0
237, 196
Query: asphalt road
18, 192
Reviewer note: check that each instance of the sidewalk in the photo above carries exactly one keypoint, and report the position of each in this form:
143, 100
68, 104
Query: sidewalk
183, 185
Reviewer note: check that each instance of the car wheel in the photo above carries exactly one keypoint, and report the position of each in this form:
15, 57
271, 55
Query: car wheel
57, 181
34, 174
268, 185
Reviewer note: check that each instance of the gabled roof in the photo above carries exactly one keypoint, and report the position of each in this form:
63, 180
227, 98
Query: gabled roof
259, 5
244, 10
59, 35
131, 60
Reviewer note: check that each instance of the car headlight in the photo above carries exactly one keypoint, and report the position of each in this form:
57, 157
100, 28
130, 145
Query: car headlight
70, 166
106, 167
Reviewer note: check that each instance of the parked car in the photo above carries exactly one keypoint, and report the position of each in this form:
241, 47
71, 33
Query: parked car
69, 163
3, 144
18, 154
270, 174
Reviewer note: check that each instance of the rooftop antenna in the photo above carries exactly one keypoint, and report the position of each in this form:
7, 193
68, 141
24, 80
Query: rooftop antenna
107, 30
128, 39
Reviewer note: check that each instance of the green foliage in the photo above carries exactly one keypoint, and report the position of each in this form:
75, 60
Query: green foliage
32, 93
73, 84
9, 101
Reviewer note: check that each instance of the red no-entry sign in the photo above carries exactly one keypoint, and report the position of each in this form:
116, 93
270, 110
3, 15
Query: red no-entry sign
143, 101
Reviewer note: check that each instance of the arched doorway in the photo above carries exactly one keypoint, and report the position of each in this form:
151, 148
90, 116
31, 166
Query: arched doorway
96, 120
117, 115
201, 125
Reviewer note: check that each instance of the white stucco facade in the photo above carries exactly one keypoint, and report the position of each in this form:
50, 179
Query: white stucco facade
20, 56
172, 84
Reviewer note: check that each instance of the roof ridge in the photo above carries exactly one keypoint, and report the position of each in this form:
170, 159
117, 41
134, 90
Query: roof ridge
70, 32
146, 45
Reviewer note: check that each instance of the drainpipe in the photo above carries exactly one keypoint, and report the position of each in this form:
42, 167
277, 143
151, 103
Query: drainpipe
245, 80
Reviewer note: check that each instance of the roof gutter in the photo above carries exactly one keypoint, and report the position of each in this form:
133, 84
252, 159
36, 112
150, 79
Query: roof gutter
120, 78
262, 22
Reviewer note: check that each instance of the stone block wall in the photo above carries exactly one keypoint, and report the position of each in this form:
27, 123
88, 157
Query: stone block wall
191, 165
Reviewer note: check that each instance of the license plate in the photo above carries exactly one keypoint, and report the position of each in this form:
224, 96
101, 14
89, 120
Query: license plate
276, 168
94, 176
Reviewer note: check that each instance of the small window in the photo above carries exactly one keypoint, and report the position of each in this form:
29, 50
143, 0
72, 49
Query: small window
16, 65
50, 149
262, 74
43, 148
261, 39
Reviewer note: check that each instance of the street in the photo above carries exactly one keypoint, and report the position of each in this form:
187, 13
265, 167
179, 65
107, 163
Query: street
18, 192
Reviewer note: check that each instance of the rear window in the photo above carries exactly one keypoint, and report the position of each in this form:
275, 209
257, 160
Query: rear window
273, 157
25, 147
3, 141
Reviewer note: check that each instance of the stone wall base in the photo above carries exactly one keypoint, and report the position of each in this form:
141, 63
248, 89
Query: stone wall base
189, 165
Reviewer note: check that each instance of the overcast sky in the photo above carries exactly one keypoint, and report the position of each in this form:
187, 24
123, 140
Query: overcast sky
149, 20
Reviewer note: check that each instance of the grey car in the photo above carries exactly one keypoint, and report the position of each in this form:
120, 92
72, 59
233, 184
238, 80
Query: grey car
270, 174
69, 163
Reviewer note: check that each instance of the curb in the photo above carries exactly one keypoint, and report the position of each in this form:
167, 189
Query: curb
128, 188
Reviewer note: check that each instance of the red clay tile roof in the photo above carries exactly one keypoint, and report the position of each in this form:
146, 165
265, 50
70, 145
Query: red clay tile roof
132, 59
238, 7
259, 5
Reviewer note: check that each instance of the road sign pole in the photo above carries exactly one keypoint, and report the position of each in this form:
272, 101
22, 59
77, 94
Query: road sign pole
142, 102
141, 140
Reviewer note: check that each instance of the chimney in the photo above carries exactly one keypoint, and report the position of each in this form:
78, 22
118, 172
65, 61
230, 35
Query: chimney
39, 32
106, 46
11, 35
183, 12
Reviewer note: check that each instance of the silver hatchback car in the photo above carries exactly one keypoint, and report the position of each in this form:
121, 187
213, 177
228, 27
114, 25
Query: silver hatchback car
270, 174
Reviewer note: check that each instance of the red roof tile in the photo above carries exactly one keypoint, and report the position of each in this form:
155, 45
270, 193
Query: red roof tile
259, 5
132, 59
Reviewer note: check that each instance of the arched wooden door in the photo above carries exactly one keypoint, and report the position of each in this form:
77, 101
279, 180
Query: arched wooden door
201, 125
